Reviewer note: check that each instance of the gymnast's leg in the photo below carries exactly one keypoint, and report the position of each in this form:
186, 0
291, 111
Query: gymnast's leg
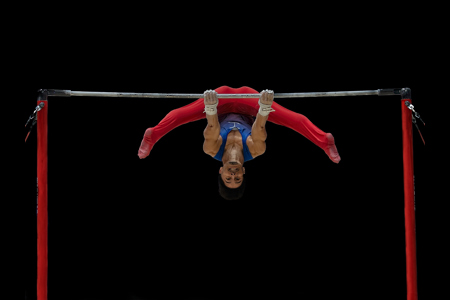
189, 113
301, 124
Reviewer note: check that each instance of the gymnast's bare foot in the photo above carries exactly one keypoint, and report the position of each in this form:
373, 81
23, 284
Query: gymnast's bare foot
146, 144
331, 149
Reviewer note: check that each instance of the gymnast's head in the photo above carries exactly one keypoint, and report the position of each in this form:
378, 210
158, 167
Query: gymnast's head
231, 180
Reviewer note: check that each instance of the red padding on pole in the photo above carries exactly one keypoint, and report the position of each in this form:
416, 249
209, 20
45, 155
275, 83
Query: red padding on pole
410, 223
42, 215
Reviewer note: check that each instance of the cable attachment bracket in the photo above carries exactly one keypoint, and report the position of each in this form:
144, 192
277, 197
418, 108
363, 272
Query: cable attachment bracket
33, 118
411, 107
416, 115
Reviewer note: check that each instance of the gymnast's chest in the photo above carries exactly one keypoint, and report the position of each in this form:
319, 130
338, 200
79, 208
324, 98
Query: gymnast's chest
234, 137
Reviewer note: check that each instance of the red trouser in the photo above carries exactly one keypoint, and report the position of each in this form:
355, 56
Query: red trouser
281, 116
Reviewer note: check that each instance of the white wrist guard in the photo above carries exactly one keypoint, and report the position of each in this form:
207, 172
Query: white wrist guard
211, 109
265, 109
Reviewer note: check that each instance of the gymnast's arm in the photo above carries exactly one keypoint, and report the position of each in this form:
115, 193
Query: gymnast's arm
257, 145
259, 133
211, 144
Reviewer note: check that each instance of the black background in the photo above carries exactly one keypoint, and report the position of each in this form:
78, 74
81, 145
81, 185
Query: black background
125, 228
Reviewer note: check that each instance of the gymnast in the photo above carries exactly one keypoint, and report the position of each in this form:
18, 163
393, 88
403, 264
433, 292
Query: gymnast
236, 131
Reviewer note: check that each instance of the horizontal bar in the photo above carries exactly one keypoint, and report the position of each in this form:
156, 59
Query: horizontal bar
69, 93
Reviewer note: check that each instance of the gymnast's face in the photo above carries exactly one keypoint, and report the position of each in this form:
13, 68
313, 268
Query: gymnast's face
232, 174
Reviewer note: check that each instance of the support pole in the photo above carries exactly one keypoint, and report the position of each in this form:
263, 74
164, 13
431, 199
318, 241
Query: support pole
408, 179
42, 213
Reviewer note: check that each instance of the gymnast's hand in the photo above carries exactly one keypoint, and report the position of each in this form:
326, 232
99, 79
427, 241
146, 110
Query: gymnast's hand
266, 97
210, 97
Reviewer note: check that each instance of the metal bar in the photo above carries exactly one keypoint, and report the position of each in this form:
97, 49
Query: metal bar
326, 94
69, 93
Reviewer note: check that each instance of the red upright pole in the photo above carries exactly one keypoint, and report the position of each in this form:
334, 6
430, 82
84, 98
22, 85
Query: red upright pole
42, 214
408, 179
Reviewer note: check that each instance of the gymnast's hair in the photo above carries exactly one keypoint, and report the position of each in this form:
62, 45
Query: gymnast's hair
231, 194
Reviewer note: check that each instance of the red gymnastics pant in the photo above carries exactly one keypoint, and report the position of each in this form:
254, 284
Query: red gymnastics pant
248, 106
